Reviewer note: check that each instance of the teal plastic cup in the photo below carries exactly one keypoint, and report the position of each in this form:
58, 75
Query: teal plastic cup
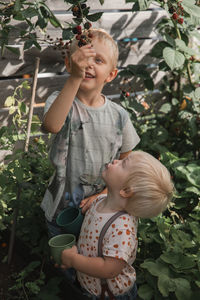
70, 220
59, 243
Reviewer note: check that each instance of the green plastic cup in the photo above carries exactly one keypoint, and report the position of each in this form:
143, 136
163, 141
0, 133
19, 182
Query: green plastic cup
60, 242
70, 220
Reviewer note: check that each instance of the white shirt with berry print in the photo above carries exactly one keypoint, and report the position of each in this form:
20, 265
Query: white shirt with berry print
120, 241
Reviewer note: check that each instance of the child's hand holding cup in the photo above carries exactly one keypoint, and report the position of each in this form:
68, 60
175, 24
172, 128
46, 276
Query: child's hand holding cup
59, 243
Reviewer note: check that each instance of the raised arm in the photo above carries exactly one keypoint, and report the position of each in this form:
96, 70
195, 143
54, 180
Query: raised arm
57, 113
100, 267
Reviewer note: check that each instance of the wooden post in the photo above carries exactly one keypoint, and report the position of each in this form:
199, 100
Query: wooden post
16, 209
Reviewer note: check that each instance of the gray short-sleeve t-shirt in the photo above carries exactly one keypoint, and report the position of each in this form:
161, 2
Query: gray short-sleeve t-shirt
90, 138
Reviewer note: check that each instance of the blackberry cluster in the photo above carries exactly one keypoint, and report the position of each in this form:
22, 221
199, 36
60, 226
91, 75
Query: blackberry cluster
83, 36
80, 11
177, 12
82, 31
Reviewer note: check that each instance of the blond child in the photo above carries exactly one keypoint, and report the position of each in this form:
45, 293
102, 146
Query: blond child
90, 129
139, 185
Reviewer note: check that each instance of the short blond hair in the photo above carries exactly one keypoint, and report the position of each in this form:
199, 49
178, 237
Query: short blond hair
102, 35
150, 185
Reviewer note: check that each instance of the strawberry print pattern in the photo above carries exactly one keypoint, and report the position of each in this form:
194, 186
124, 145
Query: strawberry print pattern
120, 242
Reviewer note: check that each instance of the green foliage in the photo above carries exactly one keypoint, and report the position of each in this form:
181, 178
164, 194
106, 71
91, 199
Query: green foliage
167, 264
37, 16
168, 256
23, 180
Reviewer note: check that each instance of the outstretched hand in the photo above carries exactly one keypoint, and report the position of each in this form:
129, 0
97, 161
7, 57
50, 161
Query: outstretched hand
80, 60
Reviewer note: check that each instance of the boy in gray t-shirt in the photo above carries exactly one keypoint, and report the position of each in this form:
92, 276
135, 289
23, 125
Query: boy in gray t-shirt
90, 129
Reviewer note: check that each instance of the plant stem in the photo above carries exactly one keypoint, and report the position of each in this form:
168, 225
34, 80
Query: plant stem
189, 73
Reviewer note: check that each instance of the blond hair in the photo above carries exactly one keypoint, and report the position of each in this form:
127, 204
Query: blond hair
150, 186
101, 35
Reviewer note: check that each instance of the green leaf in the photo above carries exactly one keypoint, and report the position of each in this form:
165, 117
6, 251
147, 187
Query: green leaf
30, 12
17, 5
193, 174
183, 289
166, 285
165, 108
67, 34
143, 4
190, 8
149, 84
13, 50
157, 50
182, 47
145, 292
54, 21
19, 174
137, 106
94, 17
28, 44
26, 85
101, 2
173, 58
193, 189
10, 100
155, 268
178, 260
197, 93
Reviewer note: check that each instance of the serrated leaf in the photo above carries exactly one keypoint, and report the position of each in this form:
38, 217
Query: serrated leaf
94, 17
173, 58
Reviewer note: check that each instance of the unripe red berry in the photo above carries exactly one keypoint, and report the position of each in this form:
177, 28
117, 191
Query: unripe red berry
175, 16
180, 21
79, 29
78, 36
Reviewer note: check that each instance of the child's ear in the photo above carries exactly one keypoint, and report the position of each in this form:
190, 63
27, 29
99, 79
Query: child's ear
67, 64
126, 193
112, 75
